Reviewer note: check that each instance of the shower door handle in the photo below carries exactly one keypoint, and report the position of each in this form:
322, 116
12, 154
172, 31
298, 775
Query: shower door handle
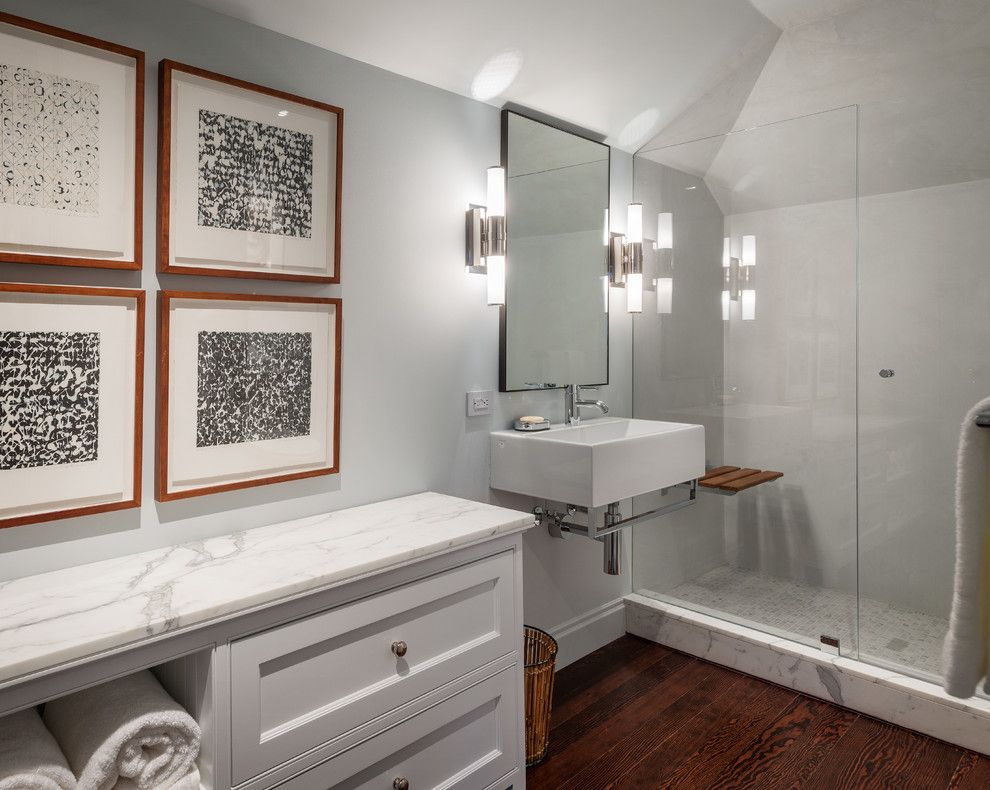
886, 373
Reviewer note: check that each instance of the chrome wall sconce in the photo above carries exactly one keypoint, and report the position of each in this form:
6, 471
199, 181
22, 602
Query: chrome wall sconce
739, 278
625, 257
485, 237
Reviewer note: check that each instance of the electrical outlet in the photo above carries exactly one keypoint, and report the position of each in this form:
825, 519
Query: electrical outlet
479, 403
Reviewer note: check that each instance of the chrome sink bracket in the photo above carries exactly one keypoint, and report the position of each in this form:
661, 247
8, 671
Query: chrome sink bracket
557, 524
554, 519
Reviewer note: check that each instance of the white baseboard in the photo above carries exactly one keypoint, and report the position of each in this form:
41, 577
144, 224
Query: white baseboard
589, 631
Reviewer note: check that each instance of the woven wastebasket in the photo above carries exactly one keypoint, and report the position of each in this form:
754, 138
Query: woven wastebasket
540, 653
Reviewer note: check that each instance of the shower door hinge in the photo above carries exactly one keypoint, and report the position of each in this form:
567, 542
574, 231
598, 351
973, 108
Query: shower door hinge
830, 644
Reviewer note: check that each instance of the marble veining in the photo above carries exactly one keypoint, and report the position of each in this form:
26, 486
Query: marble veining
51, 618
906, 637
883, 693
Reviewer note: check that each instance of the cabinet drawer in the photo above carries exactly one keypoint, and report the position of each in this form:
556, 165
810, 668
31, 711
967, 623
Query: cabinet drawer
469, 741
306, 683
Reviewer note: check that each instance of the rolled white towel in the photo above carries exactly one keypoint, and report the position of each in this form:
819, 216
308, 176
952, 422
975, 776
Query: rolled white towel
29, 756
188, 782
966, 652
128, 731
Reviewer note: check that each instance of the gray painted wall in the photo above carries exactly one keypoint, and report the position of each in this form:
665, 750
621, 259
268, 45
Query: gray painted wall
417, 331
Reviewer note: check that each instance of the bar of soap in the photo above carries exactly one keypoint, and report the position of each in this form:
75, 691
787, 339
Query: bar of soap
531, 420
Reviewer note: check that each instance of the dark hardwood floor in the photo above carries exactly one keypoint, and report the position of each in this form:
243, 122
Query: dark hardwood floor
635, 714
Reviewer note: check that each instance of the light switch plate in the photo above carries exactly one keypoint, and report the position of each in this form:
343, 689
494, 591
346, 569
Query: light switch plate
479, 403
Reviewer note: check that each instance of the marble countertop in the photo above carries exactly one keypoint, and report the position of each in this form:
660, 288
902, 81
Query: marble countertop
52, 618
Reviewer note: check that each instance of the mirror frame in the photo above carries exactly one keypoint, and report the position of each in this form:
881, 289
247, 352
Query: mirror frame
559, 126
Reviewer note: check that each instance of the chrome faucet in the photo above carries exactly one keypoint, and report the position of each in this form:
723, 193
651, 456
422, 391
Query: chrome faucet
573, 403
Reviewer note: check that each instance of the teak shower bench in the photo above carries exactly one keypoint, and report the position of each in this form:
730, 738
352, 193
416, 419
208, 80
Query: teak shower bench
733, 479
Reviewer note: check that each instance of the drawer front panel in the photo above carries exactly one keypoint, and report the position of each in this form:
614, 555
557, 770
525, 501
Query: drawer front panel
465, 743
306, 683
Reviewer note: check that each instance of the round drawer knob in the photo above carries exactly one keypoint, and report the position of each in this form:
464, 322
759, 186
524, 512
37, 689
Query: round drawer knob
400, 783
400, 648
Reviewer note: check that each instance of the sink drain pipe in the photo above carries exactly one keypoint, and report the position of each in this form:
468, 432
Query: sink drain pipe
612, 541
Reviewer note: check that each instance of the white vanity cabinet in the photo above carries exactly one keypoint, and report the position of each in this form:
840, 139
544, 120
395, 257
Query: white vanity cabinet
403, 670
317, 685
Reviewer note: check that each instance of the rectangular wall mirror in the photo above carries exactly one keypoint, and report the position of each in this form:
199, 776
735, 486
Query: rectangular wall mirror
554, 324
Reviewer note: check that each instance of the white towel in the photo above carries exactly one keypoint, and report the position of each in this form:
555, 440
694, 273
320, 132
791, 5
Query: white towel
128, 733
188, 782
29, 756
966, 653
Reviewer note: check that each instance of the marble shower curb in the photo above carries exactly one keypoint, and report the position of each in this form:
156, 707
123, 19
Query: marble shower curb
882, 693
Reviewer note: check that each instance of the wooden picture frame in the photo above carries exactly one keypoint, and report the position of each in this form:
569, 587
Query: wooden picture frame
237, 318
85, 227
211, 243
115, 448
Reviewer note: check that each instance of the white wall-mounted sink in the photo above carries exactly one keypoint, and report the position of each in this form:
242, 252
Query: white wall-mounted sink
597, 461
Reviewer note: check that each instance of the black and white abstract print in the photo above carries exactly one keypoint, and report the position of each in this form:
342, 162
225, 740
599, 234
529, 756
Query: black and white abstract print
49, 398
254, 176
49, 141
253, 386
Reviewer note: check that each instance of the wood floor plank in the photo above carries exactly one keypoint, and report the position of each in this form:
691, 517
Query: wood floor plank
711, 758
873, 754
603, 724
592, 668
829, 729
660, 753
972, 773
613, 673
655, 730
785, 745
637, 715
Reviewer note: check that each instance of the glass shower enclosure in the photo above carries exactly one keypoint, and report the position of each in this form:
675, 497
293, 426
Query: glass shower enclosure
830, 335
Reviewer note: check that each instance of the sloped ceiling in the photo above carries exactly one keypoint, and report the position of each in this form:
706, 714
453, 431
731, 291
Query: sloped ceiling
623, 69
919, 71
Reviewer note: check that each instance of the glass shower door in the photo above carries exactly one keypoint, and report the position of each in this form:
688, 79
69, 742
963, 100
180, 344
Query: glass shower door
924, 335
757, 342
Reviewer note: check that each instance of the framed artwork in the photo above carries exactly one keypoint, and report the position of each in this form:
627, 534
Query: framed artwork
249, 391
71, 145
71, 389
248, 179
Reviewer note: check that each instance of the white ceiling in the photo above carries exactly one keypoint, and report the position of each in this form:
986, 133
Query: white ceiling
918, 71
623, 68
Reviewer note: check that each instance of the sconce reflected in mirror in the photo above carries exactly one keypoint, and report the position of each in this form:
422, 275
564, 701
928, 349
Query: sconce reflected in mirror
739, 277
485, 243
664, 245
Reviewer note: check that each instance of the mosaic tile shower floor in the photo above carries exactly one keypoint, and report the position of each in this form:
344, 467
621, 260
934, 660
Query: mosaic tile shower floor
908, 639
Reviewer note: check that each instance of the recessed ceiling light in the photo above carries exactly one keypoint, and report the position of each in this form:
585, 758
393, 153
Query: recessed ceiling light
691, 187
282, 113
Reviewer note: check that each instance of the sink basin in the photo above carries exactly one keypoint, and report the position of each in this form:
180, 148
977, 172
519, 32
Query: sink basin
598, 461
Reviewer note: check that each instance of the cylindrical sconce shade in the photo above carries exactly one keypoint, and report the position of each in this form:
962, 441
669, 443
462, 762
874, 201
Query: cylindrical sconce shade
496, 192
748, 251
748, 305
665, 231
496, 279
634, 292
606, 237
665, 295
726, 302
634, 224
726, 252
